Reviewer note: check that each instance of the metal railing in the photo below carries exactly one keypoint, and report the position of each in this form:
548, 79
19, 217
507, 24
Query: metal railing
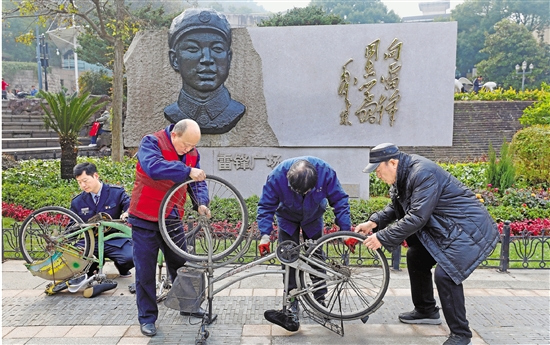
529, 251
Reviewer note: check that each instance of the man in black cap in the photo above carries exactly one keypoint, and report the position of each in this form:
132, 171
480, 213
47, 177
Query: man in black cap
200, 50
444, 225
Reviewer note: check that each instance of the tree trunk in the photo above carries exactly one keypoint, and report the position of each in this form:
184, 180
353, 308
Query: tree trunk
69, 152
117, 145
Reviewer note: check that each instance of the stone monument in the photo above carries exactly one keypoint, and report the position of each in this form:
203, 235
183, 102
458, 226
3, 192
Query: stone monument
327, 91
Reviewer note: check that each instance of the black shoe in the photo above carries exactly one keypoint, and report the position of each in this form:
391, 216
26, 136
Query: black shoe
418, 318
132, 288
287, 320
455, 339
95, 290
148, 329
199, 313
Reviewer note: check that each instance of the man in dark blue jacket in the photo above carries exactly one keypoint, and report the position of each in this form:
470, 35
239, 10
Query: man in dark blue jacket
443, 223
98, 197
298, 191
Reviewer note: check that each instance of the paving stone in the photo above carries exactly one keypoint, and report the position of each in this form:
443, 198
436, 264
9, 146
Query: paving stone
506, 311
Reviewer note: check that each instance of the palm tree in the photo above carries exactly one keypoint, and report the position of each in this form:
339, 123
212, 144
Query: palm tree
66, 116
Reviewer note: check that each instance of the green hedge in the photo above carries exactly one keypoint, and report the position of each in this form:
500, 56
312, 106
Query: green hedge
37, 183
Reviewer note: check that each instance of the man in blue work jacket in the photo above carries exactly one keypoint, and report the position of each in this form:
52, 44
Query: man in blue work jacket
298, 191
99, 197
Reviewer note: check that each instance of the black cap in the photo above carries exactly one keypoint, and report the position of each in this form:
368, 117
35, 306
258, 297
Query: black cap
198, 18
381, 153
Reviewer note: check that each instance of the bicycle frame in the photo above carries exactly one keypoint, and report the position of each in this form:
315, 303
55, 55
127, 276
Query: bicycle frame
301, 263
125, 232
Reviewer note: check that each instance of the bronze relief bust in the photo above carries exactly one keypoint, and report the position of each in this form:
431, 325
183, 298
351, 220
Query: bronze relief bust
200, 50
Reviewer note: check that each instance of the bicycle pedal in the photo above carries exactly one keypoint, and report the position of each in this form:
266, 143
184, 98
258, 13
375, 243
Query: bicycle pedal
52, 288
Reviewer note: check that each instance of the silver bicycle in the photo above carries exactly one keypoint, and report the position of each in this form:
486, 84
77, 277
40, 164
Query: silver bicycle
355, 278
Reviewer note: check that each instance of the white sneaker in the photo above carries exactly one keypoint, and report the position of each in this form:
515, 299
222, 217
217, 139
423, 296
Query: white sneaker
92, 145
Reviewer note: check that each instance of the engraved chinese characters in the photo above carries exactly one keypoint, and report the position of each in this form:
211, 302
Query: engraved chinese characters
372, 110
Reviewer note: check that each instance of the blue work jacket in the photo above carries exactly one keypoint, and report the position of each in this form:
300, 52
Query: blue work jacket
112, 200
278, 199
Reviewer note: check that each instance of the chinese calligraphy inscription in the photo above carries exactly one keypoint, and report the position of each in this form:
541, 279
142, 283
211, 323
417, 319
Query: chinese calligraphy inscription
371, 109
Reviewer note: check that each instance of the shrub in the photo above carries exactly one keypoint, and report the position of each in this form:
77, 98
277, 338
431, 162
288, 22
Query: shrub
360, 210
471, 174
377, 187
539, 112
500, 173
36, 183
531, 154
491, 172
500, 94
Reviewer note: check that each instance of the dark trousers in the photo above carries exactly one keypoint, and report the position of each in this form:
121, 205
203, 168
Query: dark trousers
146, 247
451, 295
118, 250
295, 237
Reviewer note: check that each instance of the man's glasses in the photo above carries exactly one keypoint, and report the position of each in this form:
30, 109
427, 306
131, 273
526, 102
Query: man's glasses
300, 191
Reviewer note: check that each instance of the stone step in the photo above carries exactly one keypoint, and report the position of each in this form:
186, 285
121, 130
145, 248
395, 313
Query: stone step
27, 126
28, 133
8, 117
20, 143
52, 152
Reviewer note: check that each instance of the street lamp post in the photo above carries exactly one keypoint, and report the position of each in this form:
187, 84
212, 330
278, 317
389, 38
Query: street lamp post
44, 59
523, 72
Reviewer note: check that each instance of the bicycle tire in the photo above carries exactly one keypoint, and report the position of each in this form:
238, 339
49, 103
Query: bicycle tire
40, 230
366, 277
228, 222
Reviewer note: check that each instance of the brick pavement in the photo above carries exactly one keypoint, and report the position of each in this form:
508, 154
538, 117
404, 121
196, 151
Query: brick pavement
503, 308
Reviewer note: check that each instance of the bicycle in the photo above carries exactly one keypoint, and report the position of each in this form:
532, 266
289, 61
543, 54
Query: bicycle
58, 246
356, 279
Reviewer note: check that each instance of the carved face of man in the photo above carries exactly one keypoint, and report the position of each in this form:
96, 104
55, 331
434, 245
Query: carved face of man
203, 59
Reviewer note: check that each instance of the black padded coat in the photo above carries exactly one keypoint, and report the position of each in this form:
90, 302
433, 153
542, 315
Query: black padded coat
447, 218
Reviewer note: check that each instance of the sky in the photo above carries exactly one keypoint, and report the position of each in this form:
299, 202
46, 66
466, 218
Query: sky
403, 8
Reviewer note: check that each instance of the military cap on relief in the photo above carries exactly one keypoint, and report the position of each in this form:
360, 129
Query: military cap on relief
198, 18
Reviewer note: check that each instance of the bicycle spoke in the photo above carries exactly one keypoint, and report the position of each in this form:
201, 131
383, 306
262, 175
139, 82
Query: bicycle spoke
357, 281
186, 231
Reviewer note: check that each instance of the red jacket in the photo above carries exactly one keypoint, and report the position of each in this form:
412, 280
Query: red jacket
148, 193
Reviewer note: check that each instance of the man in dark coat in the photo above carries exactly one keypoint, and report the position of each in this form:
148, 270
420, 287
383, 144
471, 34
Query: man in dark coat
443, 223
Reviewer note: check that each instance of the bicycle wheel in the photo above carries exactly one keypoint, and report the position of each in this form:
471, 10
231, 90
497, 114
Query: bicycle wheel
184, 234
44, 234
358, 281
